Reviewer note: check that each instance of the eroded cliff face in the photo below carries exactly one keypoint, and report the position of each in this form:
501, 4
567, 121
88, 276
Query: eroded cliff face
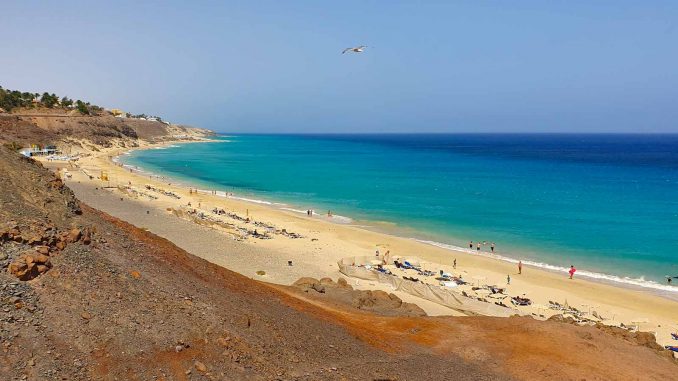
48, 126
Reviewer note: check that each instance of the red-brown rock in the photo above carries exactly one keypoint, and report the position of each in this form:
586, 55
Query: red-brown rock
29, 266
74, 235
87, 237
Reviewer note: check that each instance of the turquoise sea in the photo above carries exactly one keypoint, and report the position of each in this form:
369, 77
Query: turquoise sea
606, 203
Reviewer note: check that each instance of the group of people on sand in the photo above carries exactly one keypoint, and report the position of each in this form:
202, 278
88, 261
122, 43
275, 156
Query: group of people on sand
309, 212
478, 245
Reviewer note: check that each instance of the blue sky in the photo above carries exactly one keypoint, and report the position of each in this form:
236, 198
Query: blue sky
432, 66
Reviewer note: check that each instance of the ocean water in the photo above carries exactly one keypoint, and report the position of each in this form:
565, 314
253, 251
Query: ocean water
607, 204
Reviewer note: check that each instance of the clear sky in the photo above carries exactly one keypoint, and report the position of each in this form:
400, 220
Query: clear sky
276, 66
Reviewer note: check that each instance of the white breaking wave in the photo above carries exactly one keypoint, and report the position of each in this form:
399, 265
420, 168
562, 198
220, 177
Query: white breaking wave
295, 210
252, 200
341, 219
334, 218
166, 147
638, 282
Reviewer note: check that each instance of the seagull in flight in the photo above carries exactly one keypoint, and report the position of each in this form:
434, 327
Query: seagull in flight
357, 49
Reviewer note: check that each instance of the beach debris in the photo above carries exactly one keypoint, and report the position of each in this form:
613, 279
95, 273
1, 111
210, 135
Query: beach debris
285, 233
163, 192
261, 272
130, 191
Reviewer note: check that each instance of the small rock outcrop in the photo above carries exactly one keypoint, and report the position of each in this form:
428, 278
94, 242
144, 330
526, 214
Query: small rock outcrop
30, 265
45, 241
377, 301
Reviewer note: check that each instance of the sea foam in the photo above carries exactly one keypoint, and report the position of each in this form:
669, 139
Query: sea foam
624, 281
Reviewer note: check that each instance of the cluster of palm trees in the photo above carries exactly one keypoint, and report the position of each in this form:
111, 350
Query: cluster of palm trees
10, 99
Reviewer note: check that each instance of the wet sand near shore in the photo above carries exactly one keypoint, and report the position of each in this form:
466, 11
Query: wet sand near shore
324, 243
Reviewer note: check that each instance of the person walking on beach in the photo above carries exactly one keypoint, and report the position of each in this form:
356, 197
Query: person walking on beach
492, 247
454, 263
572, 271
520, 267
508, 279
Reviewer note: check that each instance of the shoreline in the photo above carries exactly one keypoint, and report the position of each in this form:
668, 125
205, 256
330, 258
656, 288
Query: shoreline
633, 283
343, 240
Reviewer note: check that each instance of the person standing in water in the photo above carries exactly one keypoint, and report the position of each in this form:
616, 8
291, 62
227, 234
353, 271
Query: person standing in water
572, 271
492, 247
470, 245
520, 267
478, 246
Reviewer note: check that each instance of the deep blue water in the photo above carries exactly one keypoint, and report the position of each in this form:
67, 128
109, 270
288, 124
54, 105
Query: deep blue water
606, 203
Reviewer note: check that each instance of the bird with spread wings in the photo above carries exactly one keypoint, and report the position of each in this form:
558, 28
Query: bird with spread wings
357, 49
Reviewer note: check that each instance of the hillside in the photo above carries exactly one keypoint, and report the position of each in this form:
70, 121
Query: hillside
70, 130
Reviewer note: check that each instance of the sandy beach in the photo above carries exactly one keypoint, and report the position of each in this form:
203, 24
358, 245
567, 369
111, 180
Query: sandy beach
161, 206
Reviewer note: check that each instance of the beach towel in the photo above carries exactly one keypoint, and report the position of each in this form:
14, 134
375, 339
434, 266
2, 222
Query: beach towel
672, 348
449, 284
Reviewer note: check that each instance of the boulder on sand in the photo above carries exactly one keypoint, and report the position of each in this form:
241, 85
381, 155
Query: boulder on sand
308, 283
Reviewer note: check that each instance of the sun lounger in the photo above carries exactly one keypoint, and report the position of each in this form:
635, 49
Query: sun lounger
518, 301
674, 336
496, 290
